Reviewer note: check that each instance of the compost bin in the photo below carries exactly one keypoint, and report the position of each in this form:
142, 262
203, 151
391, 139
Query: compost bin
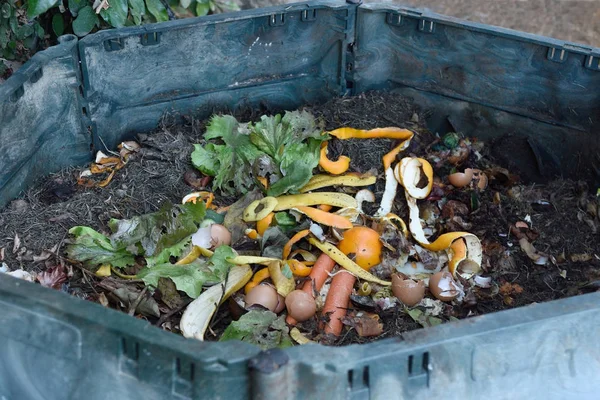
83, 95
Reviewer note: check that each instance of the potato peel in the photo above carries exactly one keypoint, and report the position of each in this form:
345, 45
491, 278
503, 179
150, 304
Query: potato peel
349, 265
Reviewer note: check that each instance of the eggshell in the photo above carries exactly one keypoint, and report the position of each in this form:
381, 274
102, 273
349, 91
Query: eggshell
442, 286
460, 179
264, 295
408, 291
300, 305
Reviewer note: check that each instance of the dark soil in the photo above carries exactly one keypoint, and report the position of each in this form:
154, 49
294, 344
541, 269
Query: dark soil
563, 215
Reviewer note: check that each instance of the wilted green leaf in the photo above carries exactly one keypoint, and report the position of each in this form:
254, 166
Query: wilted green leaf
185, 3
158, 10
5, 11
164, 256
424, 319
86, 21
24, 32
37, 7
262, 328
58, 24
93, 249
272, 242
159, 230
116, 14
191, 277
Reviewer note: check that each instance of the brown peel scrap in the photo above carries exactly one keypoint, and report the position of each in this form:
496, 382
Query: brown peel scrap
537, 257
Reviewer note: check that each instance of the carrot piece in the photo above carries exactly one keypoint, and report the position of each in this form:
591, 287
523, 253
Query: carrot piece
319, 274
336, 302
288, 246
325, 207
325, 218
263, 224
258, 277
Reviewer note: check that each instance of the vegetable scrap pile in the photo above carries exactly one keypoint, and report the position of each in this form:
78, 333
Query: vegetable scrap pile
327, 225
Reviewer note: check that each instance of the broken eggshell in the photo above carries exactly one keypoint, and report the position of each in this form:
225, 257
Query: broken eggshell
461, 179
443, 286
213, 235
408, 291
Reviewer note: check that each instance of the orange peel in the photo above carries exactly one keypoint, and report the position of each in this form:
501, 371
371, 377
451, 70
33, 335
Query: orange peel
333, 167
408, 173
257, 278
263, 224
287, 248
325, 218
386, 133
299, 268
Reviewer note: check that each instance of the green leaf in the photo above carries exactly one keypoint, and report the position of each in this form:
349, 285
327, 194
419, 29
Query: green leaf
24, 32
164, 256
93, 249
215, 216
235, 155
285, 219
188, 278
206, 158
37, 7
202, 8
424, 319
298, 175
116, 14
185, 3
75, 6
262, 328
138, 9
191, 277
272, 242
86, 21
58, 24
159, 230
6, 11
158, 10
39, 31
14, 24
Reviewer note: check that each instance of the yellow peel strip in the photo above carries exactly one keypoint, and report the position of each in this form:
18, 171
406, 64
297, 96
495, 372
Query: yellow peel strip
340, 258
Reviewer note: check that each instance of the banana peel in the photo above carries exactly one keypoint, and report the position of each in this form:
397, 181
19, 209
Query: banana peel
312, 199
197, 315
283, 284
351, 179
349, 265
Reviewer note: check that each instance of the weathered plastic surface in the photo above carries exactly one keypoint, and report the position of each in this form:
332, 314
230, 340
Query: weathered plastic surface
476, 79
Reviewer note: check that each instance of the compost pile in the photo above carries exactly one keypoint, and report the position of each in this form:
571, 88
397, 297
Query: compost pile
336, 224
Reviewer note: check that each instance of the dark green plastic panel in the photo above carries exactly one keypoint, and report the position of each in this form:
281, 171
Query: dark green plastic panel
41, 127
286, 56
536, 97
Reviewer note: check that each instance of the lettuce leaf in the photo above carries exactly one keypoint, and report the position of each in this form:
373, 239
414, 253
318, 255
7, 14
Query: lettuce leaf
159, 230
93, 249
284, 149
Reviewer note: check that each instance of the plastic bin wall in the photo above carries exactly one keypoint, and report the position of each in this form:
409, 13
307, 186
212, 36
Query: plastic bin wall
476, 79
41, 128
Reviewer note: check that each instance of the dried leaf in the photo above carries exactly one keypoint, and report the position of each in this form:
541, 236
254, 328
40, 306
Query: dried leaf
366, 324
537, 257
16, 244
2, 254
102, 299
53, 277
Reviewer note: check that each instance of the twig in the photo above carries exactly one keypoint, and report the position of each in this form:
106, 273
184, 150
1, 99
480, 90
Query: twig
137, 301
169, 10
174, 311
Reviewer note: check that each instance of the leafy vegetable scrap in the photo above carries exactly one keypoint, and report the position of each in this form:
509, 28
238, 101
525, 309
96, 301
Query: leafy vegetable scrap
284, 150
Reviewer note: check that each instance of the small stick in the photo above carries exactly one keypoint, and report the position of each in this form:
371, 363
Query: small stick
137, 301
